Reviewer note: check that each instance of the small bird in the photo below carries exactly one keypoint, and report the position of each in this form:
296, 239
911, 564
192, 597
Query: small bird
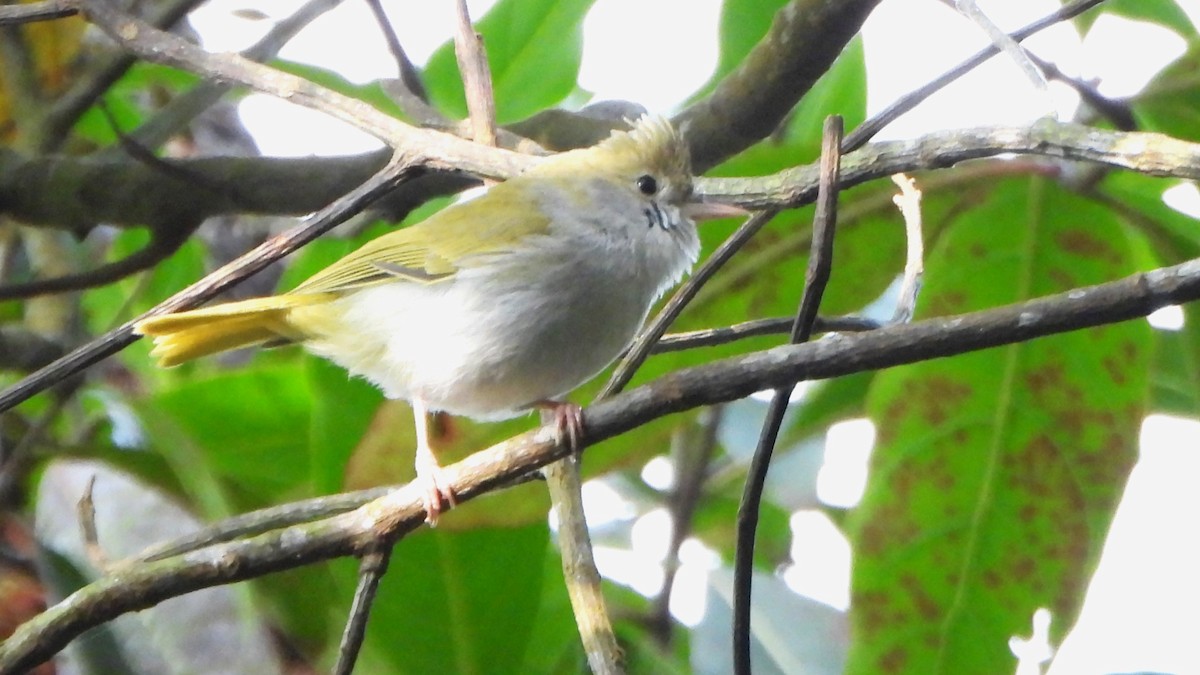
493, 306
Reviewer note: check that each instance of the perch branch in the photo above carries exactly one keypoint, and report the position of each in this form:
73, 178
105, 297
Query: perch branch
142, 585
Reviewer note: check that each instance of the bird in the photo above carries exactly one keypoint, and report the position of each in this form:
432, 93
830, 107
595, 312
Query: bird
494, 306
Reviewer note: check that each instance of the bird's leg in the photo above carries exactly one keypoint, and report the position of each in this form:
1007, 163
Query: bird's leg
429, 472
568, 420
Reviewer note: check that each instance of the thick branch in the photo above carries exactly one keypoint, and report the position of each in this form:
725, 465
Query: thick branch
142, 585
747, 106
1149, 153
74, 193
78, 193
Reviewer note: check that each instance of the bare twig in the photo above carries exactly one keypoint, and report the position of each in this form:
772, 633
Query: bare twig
867, 130
251, 262
710, 337
160, 247
820, 264
1002, 41
86, 509
417, 145
1148, 153
477, 77
264, 520
1118, 112
142, 585
692, 452
579, 568
70, 106
909, 203
370, 570
409, 77
645, 341
177, 114
37, 11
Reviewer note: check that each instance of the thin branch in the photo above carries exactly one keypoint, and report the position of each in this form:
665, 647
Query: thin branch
1002, 41
430, 148
163, 242
1149, 153
579, 568
370, 570
692, 452
86, 509
264, 520
74, 103
640, 349
181, 110
867, 130
476, 76
909, 203
816, 277
249, 263
141, 585
410, 78
45, 10
161, 246
1118, 112
126, 194
711, 337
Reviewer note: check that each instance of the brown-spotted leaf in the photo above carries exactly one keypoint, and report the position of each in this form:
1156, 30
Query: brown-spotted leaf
996, 474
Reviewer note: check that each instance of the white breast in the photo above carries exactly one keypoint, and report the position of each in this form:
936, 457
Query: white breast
510, 330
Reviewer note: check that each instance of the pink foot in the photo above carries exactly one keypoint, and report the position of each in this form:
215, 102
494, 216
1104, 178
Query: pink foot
436, 490
568, 421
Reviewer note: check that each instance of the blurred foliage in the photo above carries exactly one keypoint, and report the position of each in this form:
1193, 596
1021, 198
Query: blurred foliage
992, 484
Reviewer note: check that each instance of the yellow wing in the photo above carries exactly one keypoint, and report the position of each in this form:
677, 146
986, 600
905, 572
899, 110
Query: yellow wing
437, 247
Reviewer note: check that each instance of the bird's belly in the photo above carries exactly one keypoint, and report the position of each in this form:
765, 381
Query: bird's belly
485, 348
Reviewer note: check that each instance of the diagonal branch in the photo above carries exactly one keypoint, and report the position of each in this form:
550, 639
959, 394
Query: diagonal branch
256, 259
749, 103
867, 130
36, 11
142, 585
418, 145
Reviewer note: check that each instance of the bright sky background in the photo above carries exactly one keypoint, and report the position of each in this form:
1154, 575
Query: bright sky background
1140, 613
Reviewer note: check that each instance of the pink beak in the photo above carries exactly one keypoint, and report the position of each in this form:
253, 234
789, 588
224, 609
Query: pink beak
698, 211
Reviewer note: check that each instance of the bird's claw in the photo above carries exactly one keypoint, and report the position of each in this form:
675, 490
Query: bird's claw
437, 494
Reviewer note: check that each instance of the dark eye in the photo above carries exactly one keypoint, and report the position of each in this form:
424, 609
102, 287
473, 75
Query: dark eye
647, 185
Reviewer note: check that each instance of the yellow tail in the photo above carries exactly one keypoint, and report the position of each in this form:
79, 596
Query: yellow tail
188, 335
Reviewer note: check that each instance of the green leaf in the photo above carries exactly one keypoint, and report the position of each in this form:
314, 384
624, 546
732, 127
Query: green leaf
462, 602
840, 91
370, 92
1171, 102
241, 435
831, 401
743, 25
715, 524
342, 409
995, 475
534, 50
1166, 13
128, 98
1177, 235
1176, 371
